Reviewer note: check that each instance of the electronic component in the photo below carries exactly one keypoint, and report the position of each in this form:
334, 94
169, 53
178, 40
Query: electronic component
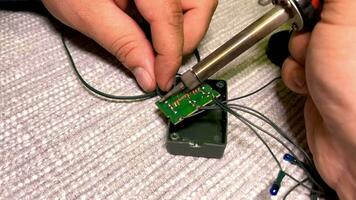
201, 135
277, 183
184, 104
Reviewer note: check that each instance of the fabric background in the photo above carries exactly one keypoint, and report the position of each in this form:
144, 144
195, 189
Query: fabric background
57, 141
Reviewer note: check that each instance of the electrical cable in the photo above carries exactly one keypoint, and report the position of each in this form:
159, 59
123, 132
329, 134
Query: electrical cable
98, 92
254, 92
107, 96
264, 118
250, 124
293, 188
299, 163
197, 55
237, 98
283, 144
242, 119
272, 124
226, 109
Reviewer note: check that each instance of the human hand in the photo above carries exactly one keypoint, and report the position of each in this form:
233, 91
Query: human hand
177, 26
322, 66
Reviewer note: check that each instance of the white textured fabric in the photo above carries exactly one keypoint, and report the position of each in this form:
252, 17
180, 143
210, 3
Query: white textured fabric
59, 141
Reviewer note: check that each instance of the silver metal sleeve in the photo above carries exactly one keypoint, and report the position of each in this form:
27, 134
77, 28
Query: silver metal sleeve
240, 43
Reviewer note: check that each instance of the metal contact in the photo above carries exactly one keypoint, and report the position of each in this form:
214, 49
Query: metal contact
296, 16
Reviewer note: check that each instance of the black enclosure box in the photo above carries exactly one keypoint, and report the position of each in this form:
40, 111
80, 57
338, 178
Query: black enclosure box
203, 135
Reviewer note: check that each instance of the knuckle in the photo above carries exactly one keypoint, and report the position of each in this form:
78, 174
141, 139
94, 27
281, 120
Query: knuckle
172, 61
174, 14
176, 61
122, 47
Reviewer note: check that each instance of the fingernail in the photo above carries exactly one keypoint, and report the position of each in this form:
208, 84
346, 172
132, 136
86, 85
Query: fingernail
169, 84
299, 80
143, 78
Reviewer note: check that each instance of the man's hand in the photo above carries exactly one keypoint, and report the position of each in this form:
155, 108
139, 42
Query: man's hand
177, 26
323, 67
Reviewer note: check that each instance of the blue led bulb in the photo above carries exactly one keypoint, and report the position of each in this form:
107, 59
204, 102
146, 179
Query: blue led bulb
274, 189
277, 183
289, 158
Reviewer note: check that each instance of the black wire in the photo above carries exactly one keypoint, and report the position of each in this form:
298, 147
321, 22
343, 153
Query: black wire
267, 120
234, 99
271, 123
111, 97
302, 184
300, 164
250, 124
263, 130
97, 92
197, 55
264, 118
278, 130
227, 109
254, 92
294, 187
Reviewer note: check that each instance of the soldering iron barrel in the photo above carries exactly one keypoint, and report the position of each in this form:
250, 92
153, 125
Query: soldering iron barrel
236, 46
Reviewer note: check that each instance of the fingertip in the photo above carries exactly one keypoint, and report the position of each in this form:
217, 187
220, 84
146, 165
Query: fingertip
140, 61
298, 45
141, 64
166, 23
169, 84
144, 79
166, 68
293, 76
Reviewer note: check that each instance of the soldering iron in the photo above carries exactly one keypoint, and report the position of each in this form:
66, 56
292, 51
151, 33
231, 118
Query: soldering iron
302, 14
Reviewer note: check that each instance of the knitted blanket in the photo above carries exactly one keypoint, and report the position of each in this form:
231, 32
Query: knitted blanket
57, 141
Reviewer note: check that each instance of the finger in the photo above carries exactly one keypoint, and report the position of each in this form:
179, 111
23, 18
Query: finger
166, 20
298, 45
293, 75
123, 4
311, 120
197, 16
118, 33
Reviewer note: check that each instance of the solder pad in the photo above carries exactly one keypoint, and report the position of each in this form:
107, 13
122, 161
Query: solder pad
184, 104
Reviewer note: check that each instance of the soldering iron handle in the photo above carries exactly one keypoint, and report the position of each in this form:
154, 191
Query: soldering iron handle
239, 43
310, 11
303, 14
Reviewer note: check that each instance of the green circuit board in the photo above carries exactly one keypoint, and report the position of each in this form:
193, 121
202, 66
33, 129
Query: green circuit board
184, 104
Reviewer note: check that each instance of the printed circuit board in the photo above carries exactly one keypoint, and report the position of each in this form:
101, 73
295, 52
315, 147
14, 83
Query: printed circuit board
184, 104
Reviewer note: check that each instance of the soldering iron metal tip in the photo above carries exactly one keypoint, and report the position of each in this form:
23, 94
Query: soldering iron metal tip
178, 88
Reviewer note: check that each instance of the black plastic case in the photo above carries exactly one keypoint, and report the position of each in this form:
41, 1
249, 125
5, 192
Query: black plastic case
203, 135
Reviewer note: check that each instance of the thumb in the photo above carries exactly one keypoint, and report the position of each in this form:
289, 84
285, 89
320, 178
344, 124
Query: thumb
113, 29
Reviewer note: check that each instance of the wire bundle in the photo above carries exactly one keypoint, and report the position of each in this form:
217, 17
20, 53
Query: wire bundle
236, 110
